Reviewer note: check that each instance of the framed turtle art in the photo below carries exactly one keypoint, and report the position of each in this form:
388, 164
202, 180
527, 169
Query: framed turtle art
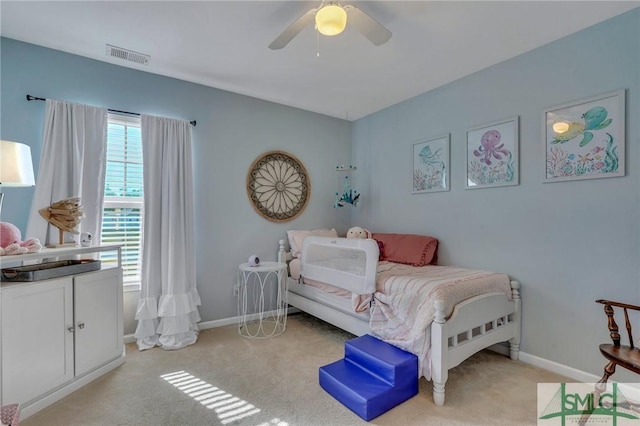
585, 139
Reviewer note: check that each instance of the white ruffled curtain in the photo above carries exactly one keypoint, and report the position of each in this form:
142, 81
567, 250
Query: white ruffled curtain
72, 164
167, 311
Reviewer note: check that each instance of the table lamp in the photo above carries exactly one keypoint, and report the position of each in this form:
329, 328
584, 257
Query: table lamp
16, 167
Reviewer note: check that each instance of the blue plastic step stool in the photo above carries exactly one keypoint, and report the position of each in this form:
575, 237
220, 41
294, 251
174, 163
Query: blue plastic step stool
373, 377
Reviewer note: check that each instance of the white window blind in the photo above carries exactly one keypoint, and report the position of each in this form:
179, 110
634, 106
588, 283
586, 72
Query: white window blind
123, 194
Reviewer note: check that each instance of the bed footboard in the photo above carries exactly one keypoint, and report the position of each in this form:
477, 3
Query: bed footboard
475, 324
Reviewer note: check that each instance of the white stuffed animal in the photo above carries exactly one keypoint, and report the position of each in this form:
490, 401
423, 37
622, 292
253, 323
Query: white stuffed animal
358, 232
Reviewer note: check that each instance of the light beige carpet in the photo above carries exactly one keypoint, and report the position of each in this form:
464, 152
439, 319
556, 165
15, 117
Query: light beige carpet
231, 380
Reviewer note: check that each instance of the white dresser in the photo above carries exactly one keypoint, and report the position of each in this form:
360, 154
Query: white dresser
58, 334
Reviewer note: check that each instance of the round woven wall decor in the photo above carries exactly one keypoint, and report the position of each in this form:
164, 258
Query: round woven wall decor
278, 186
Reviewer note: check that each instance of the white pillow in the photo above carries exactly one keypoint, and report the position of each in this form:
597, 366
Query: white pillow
296, 238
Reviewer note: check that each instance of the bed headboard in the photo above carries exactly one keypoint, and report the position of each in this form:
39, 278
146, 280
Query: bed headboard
346, 263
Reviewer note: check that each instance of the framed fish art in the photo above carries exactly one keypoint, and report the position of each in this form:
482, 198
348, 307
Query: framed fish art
585, 139
431, 165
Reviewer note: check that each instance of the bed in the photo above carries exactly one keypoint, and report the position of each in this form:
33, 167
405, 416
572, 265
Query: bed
442, 314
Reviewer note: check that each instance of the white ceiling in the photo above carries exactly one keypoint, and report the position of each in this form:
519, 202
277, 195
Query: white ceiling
223, 44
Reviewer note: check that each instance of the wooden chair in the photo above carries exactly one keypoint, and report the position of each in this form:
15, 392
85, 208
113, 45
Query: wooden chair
627, 356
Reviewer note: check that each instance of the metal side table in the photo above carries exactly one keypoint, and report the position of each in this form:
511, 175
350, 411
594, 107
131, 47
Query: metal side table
262, 299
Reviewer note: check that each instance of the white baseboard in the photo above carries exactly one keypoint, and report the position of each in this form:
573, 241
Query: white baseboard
234, 320
218, 323
631, 389
130, 338
563, 370
545, 364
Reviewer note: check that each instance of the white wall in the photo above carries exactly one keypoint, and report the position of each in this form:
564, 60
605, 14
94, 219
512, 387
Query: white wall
568, 243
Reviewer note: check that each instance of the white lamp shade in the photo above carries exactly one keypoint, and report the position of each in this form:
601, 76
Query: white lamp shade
16, 167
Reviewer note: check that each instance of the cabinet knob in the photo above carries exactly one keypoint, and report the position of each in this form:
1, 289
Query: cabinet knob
71, 329
80, 325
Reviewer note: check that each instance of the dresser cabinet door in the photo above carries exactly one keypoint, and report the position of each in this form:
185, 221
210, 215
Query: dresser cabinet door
37, 338
98, 318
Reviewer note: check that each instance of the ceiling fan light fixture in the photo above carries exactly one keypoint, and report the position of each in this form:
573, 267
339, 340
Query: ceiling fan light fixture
331, 20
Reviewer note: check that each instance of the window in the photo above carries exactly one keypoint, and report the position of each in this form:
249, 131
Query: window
123, 195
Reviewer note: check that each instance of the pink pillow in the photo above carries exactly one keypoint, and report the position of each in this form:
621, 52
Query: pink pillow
380, 249
409, 249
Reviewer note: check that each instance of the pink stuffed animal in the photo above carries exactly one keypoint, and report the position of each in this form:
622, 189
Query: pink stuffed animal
11, 243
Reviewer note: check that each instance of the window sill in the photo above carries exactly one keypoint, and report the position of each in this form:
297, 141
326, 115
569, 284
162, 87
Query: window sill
131, 287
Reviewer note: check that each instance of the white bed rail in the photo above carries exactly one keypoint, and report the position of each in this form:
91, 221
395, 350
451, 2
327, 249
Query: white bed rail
347, 263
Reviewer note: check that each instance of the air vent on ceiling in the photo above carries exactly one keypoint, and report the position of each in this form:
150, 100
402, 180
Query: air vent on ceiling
127, 55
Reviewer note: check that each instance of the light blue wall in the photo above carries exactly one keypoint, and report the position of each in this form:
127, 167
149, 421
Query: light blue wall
232, 131
568, 243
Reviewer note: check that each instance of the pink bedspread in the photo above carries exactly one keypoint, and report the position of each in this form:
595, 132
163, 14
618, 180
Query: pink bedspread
404, 300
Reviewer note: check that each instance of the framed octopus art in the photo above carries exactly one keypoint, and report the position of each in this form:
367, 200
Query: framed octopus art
492, 154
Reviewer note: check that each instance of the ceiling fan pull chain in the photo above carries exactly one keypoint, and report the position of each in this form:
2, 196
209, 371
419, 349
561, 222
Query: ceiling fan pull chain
317, 43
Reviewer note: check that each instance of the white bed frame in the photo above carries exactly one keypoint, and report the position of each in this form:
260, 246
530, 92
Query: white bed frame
475, 324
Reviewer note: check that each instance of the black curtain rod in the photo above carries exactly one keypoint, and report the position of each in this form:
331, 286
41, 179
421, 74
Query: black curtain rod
35, 98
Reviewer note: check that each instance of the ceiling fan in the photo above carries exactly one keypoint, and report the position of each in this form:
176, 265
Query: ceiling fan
330, 19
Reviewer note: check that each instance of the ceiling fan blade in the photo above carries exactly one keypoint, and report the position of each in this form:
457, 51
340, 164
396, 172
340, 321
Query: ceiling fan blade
374, 31
292, 30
